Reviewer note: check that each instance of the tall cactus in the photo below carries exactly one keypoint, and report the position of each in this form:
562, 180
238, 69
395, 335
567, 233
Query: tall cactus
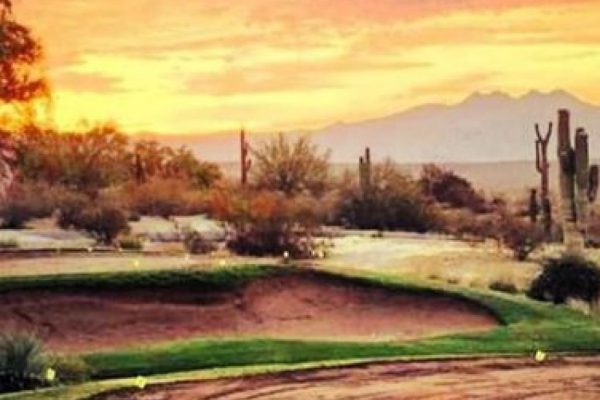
364, 172
543, 167
245, 161
578, 183
534, 207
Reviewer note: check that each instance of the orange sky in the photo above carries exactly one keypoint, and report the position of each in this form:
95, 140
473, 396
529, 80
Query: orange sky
199, 66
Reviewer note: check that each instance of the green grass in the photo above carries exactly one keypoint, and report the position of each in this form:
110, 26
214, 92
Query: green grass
223, 277
526, 326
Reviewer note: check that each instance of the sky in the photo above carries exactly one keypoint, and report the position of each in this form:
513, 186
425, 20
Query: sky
205, 66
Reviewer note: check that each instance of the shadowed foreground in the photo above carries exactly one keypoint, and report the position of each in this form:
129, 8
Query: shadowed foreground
564, 378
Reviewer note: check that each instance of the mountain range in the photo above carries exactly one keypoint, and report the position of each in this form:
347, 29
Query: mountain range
493, 127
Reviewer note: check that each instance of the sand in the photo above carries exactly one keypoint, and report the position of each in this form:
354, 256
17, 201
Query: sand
292, 306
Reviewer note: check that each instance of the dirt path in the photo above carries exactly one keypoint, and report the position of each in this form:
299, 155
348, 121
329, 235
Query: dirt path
566, 378
295, 306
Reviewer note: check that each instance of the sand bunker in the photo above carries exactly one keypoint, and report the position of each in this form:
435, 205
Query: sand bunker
291, 306
570, 378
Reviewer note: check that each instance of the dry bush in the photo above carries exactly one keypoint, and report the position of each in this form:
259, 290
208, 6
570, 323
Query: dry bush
269, 223
520, 235
291, 167
393, 202
164, 198
447, 187
195, 243
29, 200
467, 225
102, 218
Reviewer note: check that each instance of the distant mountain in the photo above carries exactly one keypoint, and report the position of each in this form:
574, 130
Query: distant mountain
483, 128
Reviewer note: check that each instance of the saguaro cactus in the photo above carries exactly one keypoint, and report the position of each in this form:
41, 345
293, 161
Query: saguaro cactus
245, 160
543, 167
364, 171
578, 183
534, 207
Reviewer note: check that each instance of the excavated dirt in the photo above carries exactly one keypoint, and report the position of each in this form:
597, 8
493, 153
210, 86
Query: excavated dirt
491, 379
299, 305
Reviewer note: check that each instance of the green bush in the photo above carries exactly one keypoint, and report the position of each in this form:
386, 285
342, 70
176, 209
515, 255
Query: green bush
22, 362
70, 369
567, 277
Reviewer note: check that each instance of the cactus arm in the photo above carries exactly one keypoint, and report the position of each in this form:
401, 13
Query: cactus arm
538, 156
593, 183
549, 133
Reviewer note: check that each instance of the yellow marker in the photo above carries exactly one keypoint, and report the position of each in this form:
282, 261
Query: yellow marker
286, 255
136, 263
141, 382
50, 375
222, 263
540, 356
187, 257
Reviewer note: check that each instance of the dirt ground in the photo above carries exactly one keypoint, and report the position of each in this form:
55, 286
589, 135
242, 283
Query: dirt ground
303, 306
560, 378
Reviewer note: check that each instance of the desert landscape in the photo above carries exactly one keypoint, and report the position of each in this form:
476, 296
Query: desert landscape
299, 200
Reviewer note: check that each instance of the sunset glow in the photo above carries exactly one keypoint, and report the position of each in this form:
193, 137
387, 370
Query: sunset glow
181, 66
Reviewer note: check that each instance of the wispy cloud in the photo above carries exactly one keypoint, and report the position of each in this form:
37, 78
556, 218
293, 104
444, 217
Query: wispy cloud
180, 65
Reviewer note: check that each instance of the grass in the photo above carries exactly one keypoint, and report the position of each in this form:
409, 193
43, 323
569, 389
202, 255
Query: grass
526, 326
143, 279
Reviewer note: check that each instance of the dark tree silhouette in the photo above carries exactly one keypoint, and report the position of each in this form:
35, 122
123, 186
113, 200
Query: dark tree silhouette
21, 78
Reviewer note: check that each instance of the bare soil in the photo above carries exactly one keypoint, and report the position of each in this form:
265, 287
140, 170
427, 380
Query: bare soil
560, 378
294, 306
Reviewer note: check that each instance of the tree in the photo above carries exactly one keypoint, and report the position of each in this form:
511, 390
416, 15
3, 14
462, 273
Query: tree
21, 78
151, 160
291, 168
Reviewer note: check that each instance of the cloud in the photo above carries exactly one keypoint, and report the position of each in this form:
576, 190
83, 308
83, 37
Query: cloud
86, 82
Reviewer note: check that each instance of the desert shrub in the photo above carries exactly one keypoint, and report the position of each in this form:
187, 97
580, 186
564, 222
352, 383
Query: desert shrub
291, 168
15, 213
504, 286
520, 236
164, 197
269, 223
69, 369
134, 216
70, 208
22, 362
29, 200
447, 187
102, 219
8, 244
567, 277
130, 243
195, 243
467, 225
393, 202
